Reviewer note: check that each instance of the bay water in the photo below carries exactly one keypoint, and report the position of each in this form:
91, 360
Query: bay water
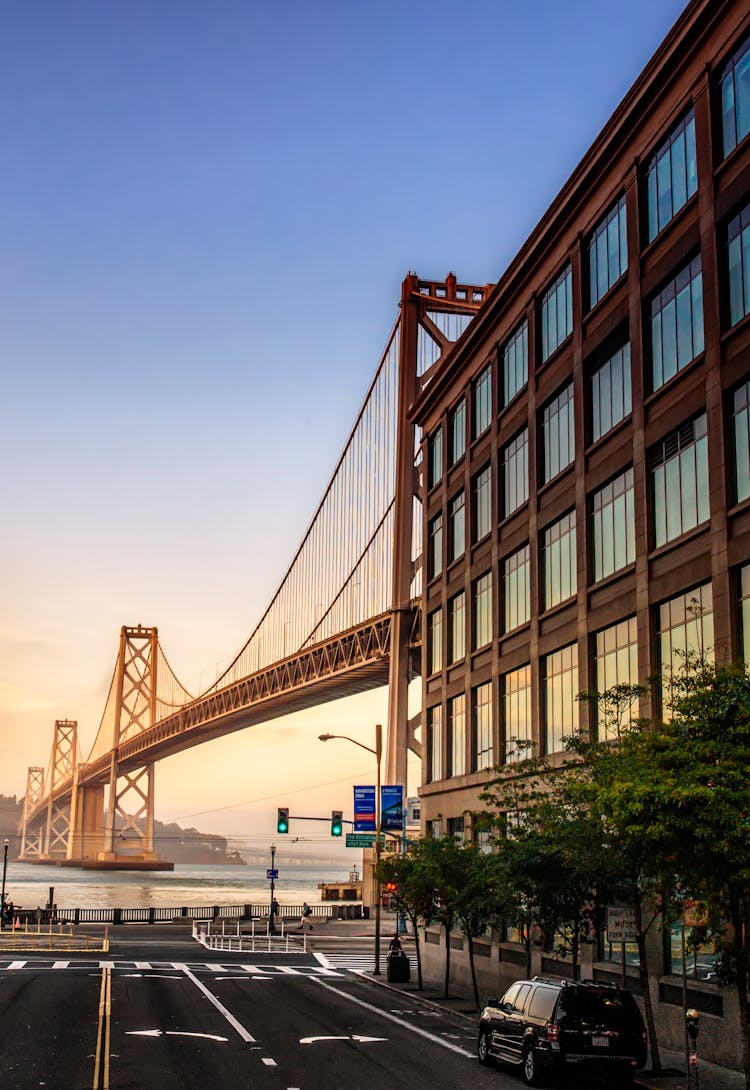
27, 885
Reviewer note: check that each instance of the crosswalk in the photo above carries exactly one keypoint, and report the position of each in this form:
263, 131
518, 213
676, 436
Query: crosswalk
147, 968
353, 955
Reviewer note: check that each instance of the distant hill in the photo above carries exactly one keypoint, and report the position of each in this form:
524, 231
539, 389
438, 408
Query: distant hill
170, 840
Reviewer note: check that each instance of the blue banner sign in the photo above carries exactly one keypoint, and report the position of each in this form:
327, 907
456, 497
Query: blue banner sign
364, 810
391, 807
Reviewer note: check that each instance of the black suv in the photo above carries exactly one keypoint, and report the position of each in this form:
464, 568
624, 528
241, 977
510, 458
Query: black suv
544, 1025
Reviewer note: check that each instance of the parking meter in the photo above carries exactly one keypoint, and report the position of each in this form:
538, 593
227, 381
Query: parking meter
691, 1019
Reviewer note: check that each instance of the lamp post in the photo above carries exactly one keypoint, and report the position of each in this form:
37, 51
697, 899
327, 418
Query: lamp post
2, 894
378, 751
271, 921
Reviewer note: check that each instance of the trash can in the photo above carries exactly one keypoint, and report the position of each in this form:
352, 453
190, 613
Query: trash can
397, 968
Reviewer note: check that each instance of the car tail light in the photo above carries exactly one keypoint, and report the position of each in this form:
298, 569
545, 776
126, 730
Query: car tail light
553, 1032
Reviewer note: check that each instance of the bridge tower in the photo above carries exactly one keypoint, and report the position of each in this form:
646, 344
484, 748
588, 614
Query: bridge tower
432, 314
32, 833
63, 766
130, 805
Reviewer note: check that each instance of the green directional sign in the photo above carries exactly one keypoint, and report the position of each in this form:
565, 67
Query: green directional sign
360, 840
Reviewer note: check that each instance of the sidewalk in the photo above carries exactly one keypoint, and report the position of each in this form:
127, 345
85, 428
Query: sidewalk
711, 1077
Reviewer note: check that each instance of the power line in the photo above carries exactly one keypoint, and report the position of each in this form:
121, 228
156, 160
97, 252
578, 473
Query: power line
267, 798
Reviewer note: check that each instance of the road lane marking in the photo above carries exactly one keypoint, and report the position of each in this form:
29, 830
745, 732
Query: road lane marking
142, 965
101, 1059
392, 1018
173, 1033
60, 964
16, 965
354, 1037
268, 1061
237, 1026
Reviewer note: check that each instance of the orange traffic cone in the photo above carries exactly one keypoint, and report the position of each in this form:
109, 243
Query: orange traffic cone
17, 924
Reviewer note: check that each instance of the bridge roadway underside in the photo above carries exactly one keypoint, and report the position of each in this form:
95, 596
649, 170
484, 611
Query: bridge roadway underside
176, 734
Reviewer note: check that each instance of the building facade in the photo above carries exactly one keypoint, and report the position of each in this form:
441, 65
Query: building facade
586, 444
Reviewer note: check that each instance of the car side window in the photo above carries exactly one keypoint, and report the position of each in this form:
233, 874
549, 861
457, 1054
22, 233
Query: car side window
521, 998
510, 995
543, 1002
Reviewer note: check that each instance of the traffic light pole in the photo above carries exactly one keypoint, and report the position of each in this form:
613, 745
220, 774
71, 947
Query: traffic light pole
271, 920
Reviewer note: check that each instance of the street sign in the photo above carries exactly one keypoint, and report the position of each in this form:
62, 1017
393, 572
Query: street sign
392, 807
272, 873
364, 810
360, 840
620, 924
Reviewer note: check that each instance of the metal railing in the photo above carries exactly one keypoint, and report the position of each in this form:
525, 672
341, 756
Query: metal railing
251, 941
45, 916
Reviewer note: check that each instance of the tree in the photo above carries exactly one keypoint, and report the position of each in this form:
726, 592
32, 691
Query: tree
414, 878
698, 800
483, 897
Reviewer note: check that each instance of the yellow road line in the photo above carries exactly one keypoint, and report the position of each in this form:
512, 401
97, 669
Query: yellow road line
101, 1060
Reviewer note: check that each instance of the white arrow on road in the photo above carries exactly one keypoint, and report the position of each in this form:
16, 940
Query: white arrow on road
354, 1037
172, 1033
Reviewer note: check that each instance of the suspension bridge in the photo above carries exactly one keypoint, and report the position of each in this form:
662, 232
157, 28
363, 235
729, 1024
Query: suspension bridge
344, 619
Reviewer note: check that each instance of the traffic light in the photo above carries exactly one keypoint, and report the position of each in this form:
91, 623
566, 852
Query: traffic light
337, 822
282, 819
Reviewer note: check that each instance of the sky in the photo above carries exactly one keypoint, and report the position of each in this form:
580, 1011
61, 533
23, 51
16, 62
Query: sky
206, 213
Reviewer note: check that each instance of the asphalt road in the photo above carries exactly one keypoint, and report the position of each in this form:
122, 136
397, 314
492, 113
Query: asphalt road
165, 1014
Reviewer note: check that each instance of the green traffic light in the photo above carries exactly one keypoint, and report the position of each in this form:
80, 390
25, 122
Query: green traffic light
337, 823
282, 819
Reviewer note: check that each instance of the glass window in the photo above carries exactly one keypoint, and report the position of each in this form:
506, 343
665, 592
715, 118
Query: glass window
517, 713
482, 503
457, 433
560, 693
482, 398
745, 612
557, 313
608, 252
672, 175
741, 420
435, 546
558, 428
456, 526
456, 628
457, 734
456, 829
435, 641
516, 363
738, 260
435, 744
436, 828
483, 610
435, 458
516, 588
679, 471
735, 97
686, 628
481, 727
560, 561
516, 472
677, 324
616, 663
610, 393
613, 519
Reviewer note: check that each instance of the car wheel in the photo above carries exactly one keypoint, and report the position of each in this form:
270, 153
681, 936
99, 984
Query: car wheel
483, 1048
530, 1070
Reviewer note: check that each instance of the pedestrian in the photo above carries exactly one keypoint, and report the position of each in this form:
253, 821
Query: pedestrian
274, 907
395, 946
305, 919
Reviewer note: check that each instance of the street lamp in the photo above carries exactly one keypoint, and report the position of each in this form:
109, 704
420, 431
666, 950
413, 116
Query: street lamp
378, 751
2, 893
271, 921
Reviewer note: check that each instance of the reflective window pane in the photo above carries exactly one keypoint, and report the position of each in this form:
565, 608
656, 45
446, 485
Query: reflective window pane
560, 693
516, 473
735, 98
608, 253
672, 175
613, 525
517, 713
679, 479
677, 324
516, 363
560, 560
615, 663
558, 431
557, 313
